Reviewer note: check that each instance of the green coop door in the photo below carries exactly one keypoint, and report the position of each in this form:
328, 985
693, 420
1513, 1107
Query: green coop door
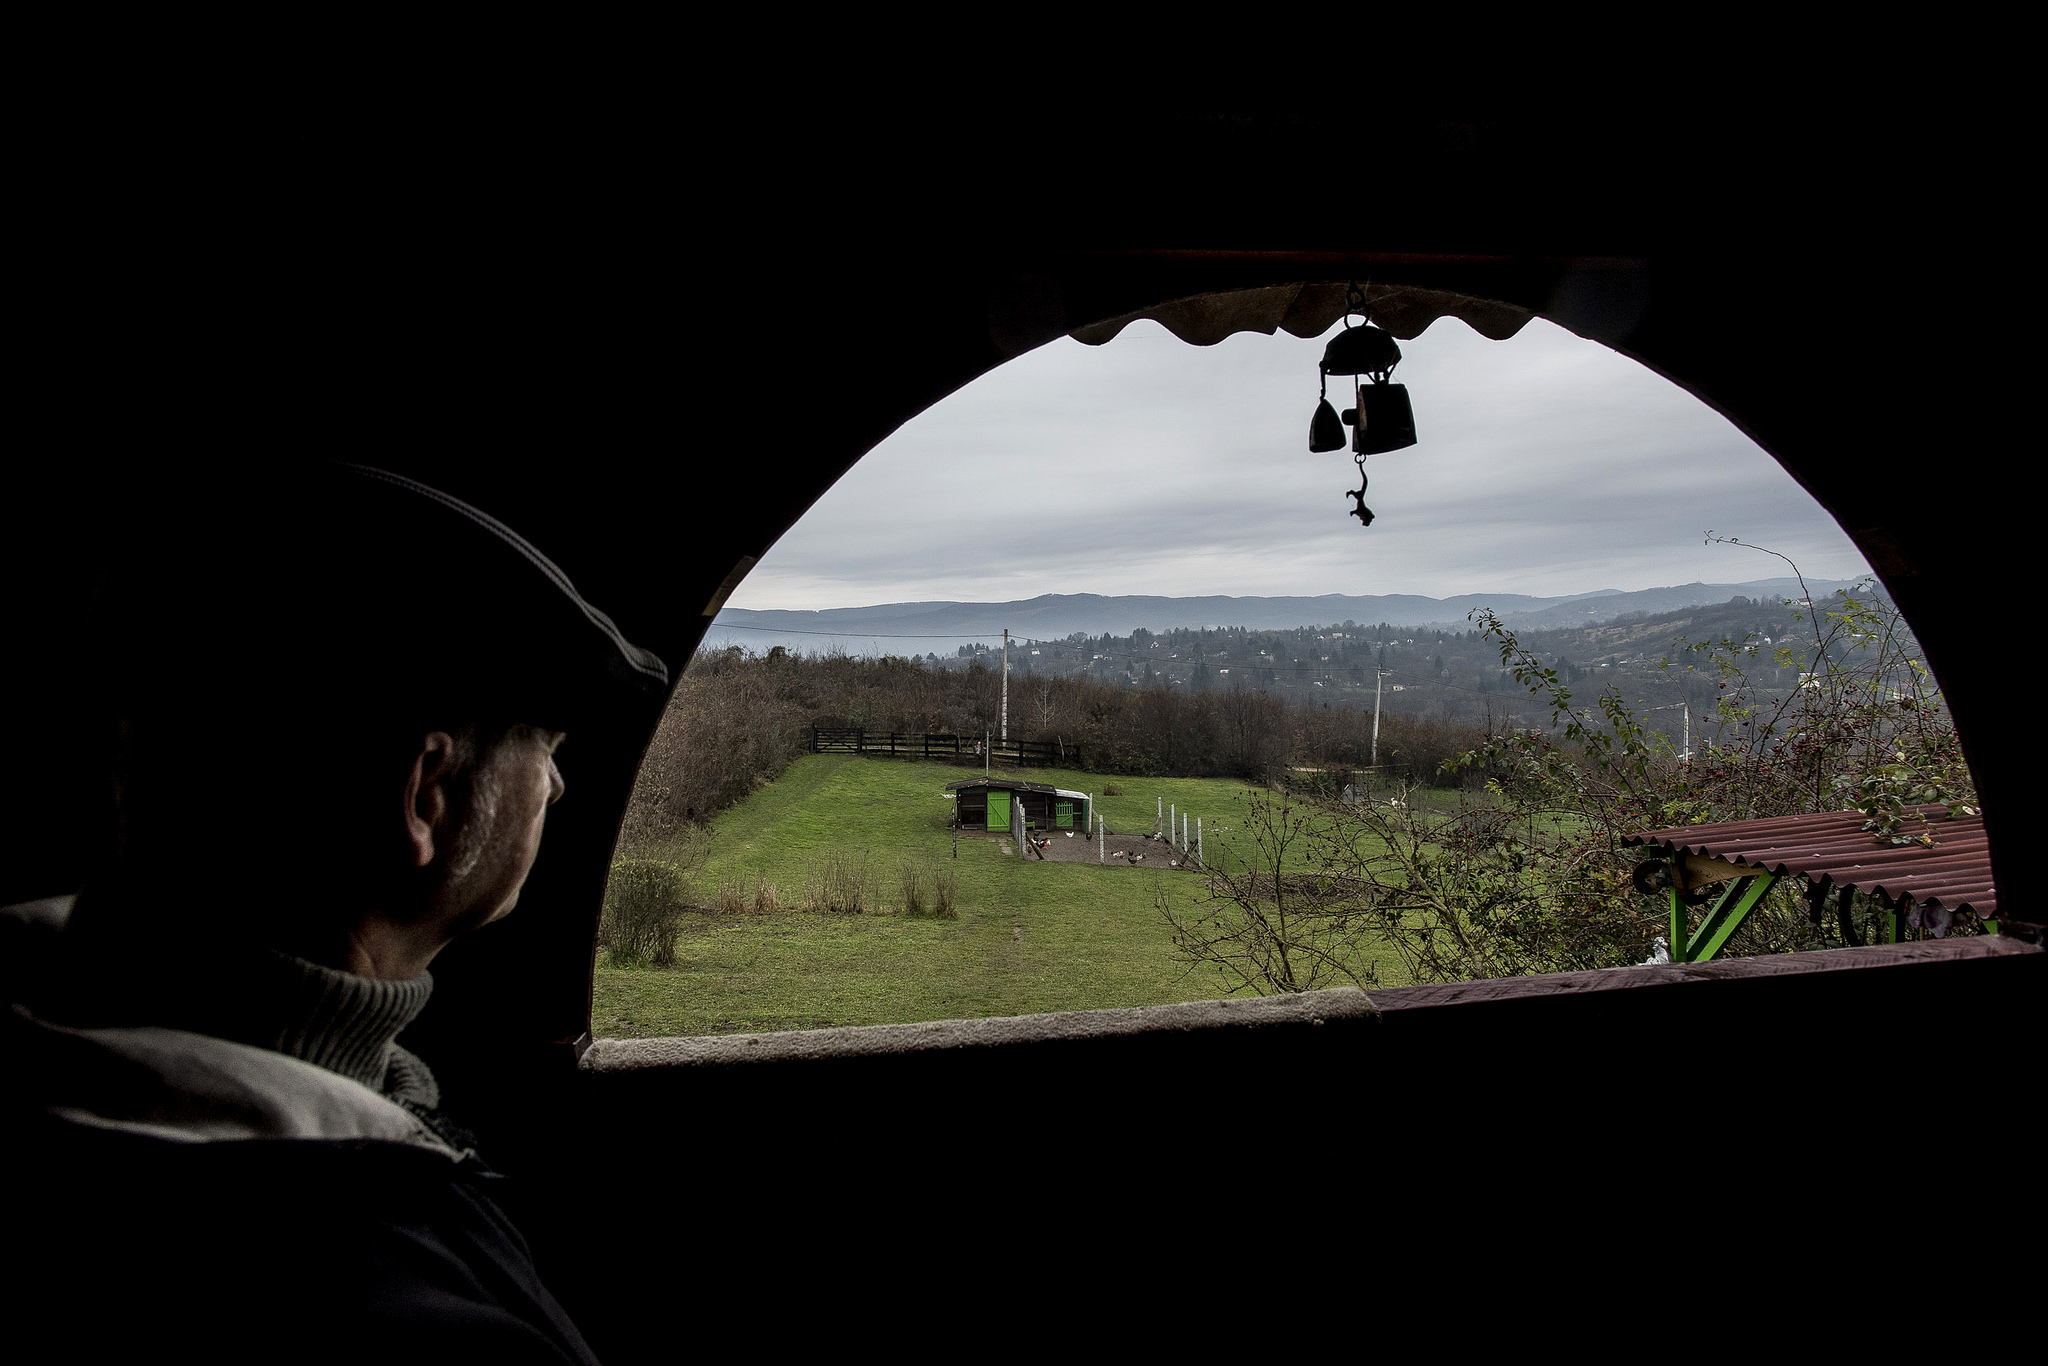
999, 811
1064, 816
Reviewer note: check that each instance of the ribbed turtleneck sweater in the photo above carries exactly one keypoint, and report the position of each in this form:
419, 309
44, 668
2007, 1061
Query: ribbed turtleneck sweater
336, 1020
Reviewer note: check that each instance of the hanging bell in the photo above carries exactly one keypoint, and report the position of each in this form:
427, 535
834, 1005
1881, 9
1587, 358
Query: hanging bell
1363, 350
1383, 420
1325, 432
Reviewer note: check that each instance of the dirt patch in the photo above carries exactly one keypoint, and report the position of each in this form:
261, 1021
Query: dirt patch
1121, 851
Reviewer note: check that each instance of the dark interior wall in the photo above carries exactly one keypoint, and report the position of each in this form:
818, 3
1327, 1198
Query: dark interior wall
1592, 1125
637, 385
652, 356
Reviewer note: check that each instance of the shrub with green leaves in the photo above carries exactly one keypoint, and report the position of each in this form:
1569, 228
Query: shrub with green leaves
1538, 881
644, 904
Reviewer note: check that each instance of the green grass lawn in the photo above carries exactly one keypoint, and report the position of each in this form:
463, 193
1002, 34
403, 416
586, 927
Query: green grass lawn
1030, 936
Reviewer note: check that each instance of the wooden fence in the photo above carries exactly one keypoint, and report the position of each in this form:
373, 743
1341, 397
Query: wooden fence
1021, 753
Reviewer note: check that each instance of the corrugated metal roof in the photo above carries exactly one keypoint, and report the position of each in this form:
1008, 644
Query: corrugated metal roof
1954, 874
1007, 784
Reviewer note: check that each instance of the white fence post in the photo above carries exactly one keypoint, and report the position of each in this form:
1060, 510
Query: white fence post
1199, 862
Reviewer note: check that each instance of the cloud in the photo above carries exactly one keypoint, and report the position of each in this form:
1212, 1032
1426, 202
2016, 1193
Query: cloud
1547, 464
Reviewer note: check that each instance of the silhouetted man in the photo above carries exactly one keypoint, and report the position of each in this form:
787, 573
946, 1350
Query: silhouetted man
336, 713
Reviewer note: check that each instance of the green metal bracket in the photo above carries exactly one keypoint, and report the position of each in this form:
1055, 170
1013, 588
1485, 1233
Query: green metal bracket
1743, 896
1678, 944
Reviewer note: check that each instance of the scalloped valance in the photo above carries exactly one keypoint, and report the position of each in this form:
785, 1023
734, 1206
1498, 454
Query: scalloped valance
1308, 310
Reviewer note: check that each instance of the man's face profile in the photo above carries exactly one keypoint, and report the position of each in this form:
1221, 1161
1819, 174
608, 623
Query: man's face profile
515, 786
475, 828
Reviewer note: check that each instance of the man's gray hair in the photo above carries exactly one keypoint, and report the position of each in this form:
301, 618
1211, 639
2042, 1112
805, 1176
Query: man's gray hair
478, 756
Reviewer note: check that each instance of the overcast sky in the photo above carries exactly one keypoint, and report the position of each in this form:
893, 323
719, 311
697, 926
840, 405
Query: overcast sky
1546, 464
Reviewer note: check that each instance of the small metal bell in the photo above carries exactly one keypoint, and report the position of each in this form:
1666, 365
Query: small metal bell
1325, 432
1363, 350
1383, 421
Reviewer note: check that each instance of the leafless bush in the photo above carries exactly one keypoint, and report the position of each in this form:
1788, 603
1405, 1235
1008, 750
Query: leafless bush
1262, 927
767, 899
732, 725
911, 886
1112, 790
837, 883
942, 894
644, 906
732, 893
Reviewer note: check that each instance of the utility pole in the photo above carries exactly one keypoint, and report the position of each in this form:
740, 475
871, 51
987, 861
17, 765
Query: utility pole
985, 748
1685, 749
1378, 678
1006, 685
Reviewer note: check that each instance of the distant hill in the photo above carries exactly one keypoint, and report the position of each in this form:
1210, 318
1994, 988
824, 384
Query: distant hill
941, 627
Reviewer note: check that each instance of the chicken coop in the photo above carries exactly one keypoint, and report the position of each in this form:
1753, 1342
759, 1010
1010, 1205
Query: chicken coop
985, 804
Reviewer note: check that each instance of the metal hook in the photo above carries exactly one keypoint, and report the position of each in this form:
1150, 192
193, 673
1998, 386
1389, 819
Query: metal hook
1354, 302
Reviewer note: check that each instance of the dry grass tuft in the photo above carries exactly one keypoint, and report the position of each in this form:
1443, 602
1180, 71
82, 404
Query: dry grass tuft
837, 883
910, 884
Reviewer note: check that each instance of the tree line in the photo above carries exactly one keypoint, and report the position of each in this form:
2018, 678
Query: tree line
739, 718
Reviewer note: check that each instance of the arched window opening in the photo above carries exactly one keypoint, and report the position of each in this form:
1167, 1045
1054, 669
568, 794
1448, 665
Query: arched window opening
1222, 703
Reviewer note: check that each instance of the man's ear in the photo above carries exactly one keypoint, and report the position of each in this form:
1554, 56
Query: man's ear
427, 796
